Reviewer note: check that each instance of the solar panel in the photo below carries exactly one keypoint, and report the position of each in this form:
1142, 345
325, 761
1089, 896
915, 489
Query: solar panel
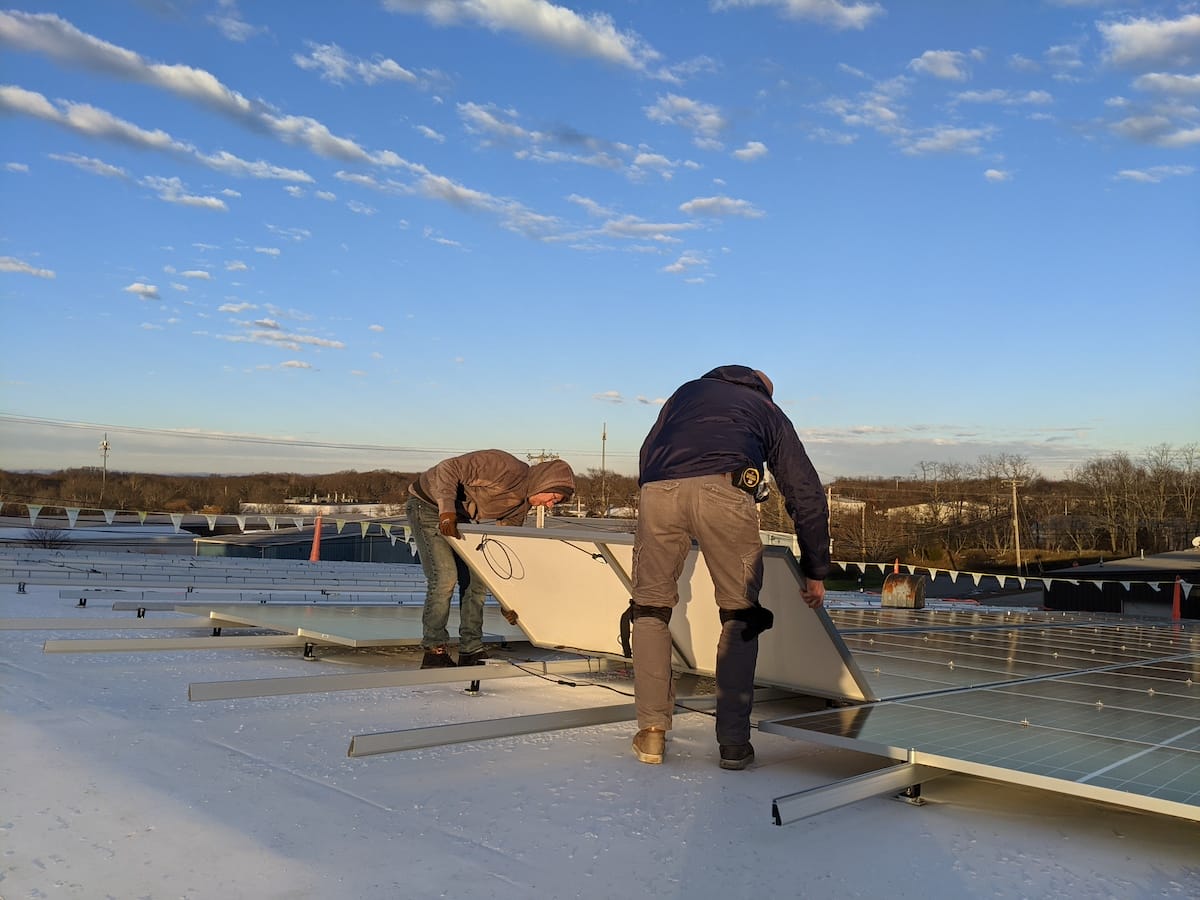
1109, 710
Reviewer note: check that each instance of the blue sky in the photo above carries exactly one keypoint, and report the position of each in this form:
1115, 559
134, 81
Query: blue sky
382, 234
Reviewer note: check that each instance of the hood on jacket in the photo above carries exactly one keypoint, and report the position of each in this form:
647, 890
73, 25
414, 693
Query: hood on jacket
743, 375
552, 476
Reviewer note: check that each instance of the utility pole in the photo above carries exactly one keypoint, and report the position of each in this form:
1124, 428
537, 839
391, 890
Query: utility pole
1016, 526
603, 472
104, 469
540, 515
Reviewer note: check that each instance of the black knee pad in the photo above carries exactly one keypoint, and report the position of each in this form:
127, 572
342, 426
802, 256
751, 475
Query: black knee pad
757, 618
636, 611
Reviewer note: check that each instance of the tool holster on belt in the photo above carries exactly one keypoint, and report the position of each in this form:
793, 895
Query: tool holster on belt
757, 618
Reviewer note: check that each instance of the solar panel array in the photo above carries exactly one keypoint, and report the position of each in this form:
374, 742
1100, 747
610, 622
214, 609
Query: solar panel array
1087, 705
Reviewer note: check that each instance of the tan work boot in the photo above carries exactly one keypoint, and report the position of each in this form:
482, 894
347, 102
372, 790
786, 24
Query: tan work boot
649, 744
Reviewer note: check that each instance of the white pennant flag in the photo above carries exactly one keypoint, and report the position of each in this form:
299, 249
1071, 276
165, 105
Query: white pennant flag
298, 521
1186, 587
72, 514
953, 575
393, 538
1156, 586
1021, 582
141, 517
387, 529
270, 522
108, 515
341, 523
975, 576
177, 520
365, 526
881, 567
1100, 585
933, 574
407, 534
212, 522
33, 513
241, 520
1124, 584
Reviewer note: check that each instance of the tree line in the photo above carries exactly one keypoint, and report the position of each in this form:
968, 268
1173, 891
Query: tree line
942, 513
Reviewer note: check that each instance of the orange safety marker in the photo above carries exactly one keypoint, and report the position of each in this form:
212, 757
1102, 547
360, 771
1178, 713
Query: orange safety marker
896, 567
315, 554
1175, 613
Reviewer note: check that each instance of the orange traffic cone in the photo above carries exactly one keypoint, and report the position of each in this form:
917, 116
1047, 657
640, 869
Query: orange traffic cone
315, 554
1175, 601
896, 568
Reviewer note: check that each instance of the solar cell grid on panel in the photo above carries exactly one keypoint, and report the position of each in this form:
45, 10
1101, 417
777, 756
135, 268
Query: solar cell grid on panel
1110, 705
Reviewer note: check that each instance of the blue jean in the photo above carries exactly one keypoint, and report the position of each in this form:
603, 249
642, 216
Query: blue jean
443, 569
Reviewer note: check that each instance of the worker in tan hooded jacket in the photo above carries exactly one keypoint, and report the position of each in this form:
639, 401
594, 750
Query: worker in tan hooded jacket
484, 485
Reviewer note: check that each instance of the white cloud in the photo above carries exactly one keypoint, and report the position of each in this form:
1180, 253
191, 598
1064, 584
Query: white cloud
172, 191
1154, 174
593, 35
431, 134
90, 164
1162, 83
945, 139
1006, 98
835, 13
17, 167
609, 397
334, 64
198, 274
236, 265
752, 151
327, 196
1173, 43
361, 208
375, 328
12, 264
949, 65
721, 206
267, 251
145, 291
295, 364
235, 307
997, 175
703, 119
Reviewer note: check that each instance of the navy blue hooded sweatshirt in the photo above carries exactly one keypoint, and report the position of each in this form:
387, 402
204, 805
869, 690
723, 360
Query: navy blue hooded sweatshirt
726, 420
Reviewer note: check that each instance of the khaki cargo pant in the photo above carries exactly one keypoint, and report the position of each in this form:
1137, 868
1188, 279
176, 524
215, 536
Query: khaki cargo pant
723, 520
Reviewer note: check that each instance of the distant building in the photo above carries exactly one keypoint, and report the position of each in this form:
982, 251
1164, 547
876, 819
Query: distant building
1120, 586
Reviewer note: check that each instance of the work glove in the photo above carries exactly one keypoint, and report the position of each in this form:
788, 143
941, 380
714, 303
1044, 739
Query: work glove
448, 525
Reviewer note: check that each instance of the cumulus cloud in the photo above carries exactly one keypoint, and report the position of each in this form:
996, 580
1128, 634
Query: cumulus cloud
609, 397
12, 264
1163, 83
336, 65
752, 151
593, 35
198, 274
950, 65
721, 206
22, 168
145, 291
837, 14
1174, 43
702, 119
997, 175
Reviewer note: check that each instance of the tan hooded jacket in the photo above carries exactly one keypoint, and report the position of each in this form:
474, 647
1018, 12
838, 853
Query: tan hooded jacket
491, 485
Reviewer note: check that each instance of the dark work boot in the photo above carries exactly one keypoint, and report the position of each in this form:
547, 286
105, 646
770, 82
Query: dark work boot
474, 658
736, 756
436, 658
